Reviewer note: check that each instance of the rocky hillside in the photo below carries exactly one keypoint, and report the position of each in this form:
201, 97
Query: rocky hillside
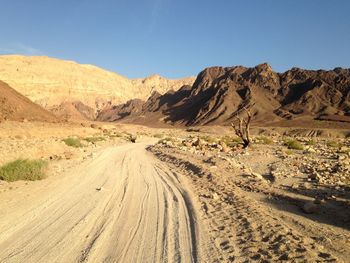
66, 87
14, 106
219, 94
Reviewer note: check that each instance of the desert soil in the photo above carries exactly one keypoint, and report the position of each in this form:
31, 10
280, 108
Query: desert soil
188, 197
268, 203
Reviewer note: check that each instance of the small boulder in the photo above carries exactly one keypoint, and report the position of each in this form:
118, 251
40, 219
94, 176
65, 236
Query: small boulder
310, 208
224, 147
311, 150
314, 176
257, 176
68, 155
197, 142
170, 144
215, 196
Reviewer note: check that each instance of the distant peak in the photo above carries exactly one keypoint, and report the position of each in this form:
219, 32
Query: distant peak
154, 76
264, 67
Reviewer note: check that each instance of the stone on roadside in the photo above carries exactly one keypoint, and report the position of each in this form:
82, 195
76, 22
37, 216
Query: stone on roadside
314, 176
215, 196
197, 142
310, 208
68, 155
224, 147
311, 150
257, 176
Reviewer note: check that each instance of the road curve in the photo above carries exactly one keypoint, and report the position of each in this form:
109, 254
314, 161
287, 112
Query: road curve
122, 206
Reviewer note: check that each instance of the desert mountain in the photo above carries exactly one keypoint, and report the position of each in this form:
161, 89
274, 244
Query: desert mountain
14, 106
220, 93
66, 87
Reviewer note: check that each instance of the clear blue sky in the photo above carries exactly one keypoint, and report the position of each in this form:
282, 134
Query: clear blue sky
177, 38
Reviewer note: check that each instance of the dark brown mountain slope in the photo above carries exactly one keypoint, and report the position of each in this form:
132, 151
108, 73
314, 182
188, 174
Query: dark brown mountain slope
73, 111
14, 106
219, 94
118, 112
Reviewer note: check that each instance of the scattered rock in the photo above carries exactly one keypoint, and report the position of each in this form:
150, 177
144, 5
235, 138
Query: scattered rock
257, 176
284, 257
311, 208
215, 196
68, 155
21, 137
310, 150
224, 147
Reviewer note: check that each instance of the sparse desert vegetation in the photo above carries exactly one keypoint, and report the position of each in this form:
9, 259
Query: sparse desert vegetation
293, 144
263, 140
333, 144
158, 135
311, 142
20, 169
73, 142
95, 139
231, 141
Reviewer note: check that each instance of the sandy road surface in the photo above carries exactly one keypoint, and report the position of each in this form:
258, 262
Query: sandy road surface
141, 214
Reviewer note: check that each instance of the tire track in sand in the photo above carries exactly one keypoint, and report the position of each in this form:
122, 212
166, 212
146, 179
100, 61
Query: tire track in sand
142, 214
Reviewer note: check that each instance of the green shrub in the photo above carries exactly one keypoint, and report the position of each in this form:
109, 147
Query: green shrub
294, 144
311, 142
264, 140
73, 142
208, 139
94, 139
20, 169
159, 136
115, 135
289, 152
231, 141
333, 144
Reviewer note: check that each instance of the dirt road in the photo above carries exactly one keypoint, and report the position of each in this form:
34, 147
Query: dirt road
122, 206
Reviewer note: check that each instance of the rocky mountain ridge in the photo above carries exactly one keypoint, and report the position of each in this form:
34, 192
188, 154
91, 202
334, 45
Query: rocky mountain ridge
220, 93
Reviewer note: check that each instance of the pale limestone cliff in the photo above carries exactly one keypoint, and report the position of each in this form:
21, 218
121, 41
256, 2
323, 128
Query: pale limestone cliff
51, 82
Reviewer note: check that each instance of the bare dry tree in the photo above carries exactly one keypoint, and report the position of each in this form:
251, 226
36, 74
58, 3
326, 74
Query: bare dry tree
242, 128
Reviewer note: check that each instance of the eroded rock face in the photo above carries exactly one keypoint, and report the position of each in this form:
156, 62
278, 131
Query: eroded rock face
54, 83
220, 93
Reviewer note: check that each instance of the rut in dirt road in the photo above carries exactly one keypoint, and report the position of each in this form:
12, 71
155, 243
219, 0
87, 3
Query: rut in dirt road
124, 206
